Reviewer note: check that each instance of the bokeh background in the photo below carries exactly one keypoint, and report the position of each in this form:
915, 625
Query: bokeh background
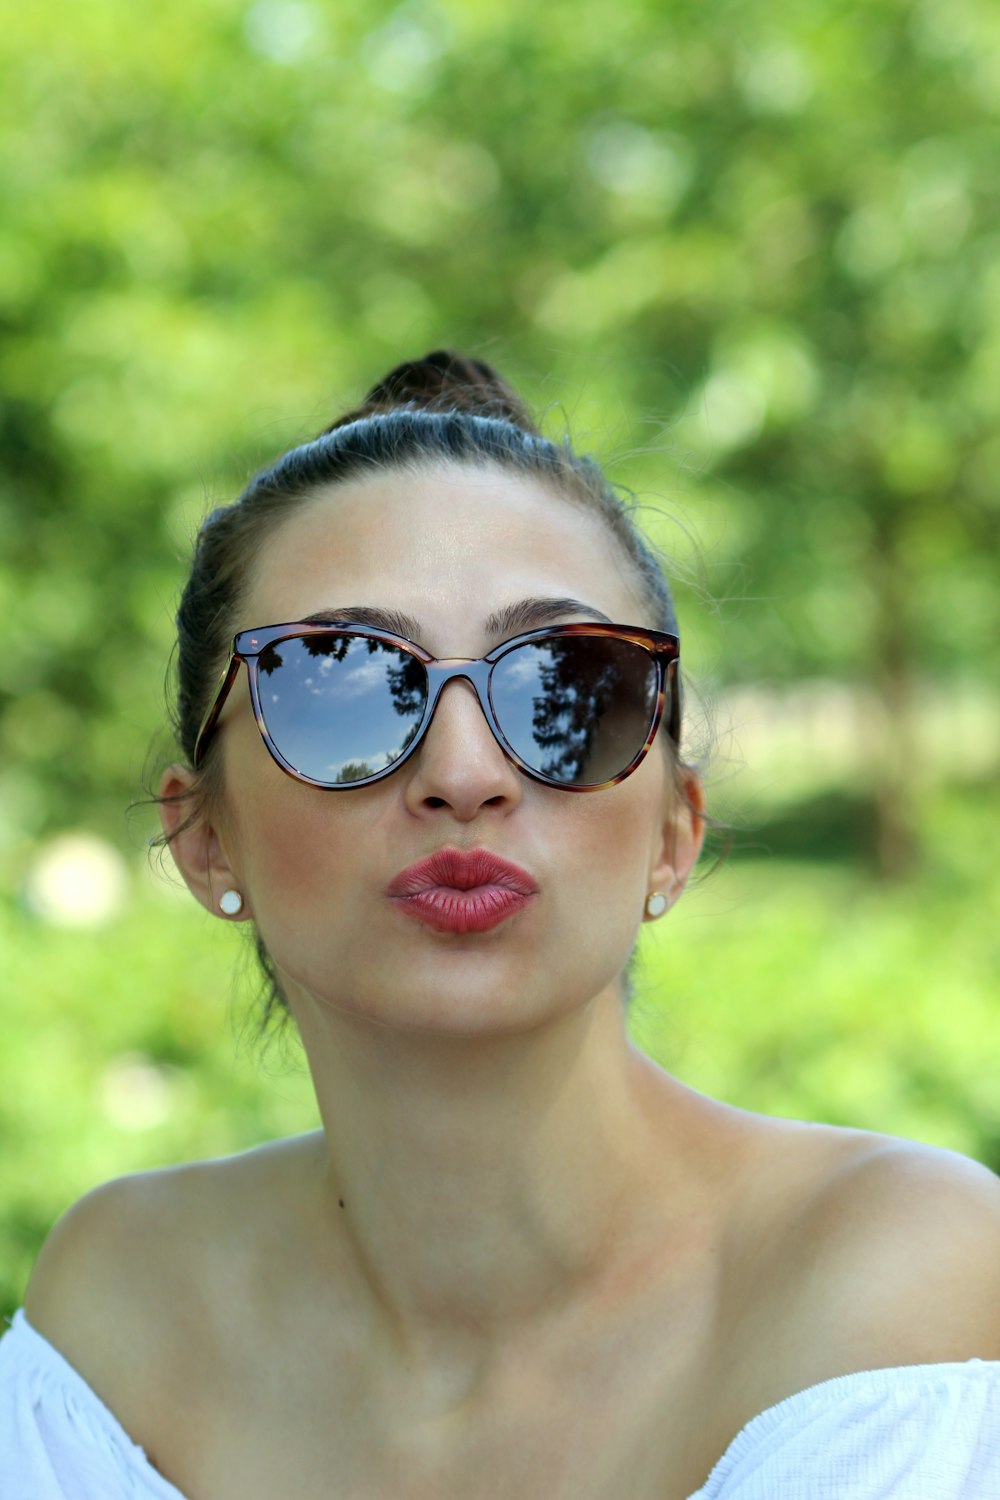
749, 255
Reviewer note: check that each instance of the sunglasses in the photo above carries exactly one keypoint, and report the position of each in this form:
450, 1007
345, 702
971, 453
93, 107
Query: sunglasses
342, 705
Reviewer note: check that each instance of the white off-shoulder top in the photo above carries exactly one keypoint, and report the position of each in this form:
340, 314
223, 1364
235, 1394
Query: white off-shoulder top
918, 1432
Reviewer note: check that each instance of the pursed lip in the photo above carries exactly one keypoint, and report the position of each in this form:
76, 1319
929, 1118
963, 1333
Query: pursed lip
462, 870
462, 891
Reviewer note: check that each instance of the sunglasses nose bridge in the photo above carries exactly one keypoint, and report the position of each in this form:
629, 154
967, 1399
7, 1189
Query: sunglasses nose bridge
466, 669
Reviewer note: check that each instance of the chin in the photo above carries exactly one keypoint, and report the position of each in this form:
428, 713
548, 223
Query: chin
451, 1001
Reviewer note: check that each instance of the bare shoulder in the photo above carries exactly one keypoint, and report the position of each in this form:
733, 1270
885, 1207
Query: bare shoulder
900, 1246
102, 1260
91, 1290
132, 1274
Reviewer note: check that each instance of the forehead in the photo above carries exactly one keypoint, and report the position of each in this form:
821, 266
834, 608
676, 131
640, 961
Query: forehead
447, 546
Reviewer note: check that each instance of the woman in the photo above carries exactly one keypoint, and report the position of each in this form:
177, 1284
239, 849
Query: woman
518, 1259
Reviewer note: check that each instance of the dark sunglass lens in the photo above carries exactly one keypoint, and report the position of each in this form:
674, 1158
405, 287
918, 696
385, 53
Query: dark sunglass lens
340, 707
576, 708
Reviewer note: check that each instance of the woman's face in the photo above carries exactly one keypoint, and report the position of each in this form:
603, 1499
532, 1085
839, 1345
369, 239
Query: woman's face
448, 547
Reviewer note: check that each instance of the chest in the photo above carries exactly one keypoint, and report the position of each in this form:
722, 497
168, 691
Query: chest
611, 1421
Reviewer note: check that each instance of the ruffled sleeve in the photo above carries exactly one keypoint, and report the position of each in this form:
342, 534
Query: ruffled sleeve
918, 1432
58, 1441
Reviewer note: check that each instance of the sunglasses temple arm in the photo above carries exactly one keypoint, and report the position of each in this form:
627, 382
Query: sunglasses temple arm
674, 689
212, 717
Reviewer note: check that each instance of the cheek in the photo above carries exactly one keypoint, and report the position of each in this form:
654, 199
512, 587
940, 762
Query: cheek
605, 840
300, 859
290, 840
601, 858
612, 855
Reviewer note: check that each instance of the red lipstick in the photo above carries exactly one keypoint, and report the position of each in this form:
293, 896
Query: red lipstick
458, 890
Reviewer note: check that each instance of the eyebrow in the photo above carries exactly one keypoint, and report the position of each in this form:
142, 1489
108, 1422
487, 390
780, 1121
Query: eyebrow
526, 614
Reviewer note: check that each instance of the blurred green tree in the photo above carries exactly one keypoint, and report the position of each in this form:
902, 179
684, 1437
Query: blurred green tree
761, 246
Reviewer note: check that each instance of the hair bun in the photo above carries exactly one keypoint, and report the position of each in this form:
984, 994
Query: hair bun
443, 381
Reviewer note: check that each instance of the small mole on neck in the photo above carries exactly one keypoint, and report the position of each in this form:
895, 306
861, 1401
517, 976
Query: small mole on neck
341, 1202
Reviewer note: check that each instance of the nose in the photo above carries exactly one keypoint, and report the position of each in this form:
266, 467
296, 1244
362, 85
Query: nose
459, 766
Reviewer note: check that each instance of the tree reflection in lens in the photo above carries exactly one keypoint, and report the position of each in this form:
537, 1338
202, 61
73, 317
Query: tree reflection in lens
591, 703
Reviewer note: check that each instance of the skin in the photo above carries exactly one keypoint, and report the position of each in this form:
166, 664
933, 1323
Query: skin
518, 1258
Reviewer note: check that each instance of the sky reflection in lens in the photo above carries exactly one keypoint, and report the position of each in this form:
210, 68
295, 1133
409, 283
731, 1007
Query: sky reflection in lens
340, 707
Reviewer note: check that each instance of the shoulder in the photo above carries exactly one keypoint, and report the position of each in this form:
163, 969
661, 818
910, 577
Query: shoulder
900, 1243
102, 1227
140, 1271
91, 1292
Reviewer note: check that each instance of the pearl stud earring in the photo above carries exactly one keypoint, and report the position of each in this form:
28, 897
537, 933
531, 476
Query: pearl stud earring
230, 902
656, 904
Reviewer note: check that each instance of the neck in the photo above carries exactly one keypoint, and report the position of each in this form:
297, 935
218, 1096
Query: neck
484, 1182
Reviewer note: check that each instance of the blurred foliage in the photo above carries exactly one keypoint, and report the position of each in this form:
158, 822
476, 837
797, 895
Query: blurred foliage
748, 254
754, 252
812, 991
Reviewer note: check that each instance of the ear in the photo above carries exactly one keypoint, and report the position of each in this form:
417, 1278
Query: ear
196, 841
682, 836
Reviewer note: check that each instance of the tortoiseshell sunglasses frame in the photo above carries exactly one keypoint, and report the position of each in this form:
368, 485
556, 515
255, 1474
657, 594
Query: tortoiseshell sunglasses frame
248, 645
